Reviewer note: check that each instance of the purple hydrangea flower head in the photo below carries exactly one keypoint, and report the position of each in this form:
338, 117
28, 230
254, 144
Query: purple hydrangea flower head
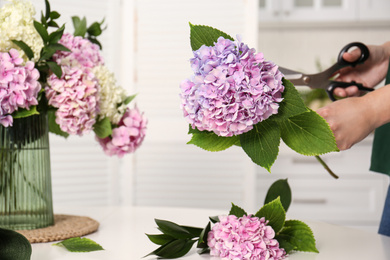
128, 136
75, 95
19, 85
83, 52
247, 238
232, 89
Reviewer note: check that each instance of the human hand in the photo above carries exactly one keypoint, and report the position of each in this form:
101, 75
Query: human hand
369, 73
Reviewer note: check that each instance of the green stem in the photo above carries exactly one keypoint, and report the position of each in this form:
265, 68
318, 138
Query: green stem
326, 167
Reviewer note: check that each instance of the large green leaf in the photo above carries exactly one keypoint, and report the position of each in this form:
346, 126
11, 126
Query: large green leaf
279, 188
173, 229
274, 213
209, 141
27, 50
174, 249
292, 103
14, 246
237, 211
308, 134
53, 126
103, 128
298, 235
80, 26
205, 35
25, 113
77, 244
160, 239
261, 144
42, 31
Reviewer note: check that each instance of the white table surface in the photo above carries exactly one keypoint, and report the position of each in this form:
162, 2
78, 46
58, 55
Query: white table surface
122, 235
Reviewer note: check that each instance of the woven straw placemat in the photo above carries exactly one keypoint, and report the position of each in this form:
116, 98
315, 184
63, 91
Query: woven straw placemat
65, 226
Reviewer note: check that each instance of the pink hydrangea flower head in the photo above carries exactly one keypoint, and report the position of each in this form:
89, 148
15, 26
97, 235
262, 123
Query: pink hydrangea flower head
128, 136
232, 89
19, 85
83, 52
246, 238
75, 95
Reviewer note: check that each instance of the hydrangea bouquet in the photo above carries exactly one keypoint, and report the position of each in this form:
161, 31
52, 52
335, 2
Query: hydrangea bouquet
237, 97
42, 68
239, 235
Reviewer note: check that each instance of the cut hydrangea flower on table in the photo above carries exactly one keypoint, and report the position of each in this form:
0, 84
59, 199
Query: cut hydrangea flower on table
238, 235
236, 97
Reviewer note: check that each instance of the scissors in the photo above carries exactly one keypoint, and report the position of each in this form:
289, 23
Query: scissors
322, 79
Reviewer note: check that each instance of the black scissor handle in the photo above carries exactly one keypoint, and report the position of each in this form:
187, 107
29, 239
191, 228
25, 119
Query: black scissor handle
365, 53
341, 84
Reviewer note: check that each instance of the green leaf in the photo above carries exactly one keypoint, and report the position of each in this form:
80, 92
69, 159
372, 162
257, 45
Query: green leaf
129, 99
76, 21
81, 28
55, 36
202, 242
77, 244
103, 128
95, 29
42, 31
174, 249
297, 234
237, 211
53, 126
58, 47
160, 239
261, 143
214, 219
55, 68
27, 50
14, 246
25, 113
308, 134
54, 15
274, 213
279, 188
53, 24
47, 5
212, 142
173, 229
93, 40
195, 231
47, 53
292, 103
205, 35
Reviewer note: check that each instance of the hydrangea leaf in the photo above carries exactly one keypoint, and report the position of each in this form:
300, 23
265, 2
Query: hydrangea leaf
160, 239
103, 128
27, 50
237, 211
25, 113
261, 144
209, 141
77, 244
279, 188
202, 242
308, 134
174, 249
14, 245
292, 103
173, 229
53, 126
205, 35
299, 235
274, 213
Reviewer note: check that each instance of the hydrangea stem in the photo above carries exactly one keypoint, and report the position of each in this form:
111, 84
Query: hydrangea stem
327, 167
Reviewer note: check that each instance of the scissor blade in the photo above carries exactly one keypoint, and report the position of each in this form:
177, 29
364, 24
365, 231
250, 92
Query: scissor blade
290, 74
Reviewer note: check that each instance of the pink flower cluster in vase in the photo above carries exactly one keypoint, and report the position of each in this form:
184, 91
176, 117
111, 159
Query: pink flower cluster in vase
247, 238
128, 136
19, 85
232, 89
76, 99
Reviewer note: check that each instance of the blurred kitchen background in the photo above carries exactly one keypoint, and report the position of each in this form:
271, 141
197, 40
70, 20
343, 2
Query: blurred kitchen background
147, 45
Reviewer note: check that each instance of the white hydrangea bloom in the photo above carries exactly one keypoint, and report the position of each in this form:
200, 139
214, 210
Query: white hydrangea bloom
16, 23
111, 95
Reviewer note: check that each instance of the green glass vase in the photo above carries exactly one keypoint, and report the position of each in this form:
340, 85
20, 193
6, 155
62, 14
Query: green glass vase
25, 175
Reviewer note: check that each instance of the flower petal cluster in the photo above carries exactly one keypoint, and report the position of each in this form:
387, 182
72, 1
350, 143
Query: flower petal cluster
111, 96
16, 23
75, 95
19, 86
128, 136
248, 238
83, 52
232, 89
